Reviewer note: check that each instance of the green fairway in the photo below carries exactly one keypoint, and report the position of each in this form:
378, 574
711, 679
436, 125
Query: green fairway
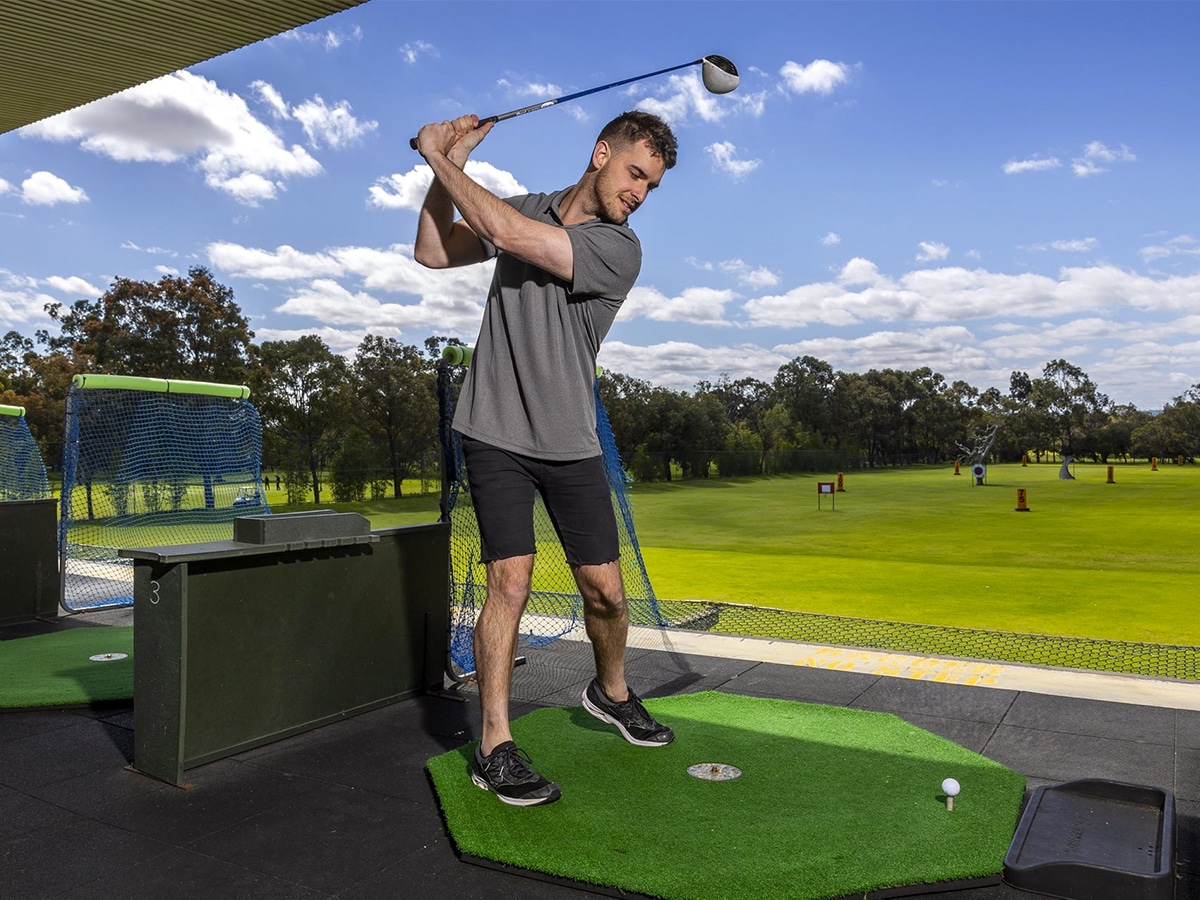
1090, 559
921, 545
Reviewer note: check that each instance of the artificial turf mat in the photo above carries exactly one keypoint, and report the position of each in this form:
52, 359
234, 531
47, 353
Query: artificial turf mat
56, 669
832, 801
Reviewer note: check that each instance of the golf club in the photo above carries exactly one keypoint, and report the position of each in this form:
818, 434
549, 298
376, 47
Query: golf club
720, 76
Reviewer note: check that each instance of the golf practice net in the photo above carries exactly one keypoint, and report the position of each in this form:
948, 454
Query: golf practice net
150, 462
555, 607
22, 473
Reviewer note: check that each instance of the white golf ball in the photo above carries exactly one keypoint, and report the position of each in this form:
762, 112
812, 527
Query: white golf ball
950, 787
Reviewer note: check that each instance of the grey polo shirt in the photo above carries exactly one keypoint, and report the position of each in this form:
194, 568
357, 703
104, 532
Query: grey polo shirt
529, 388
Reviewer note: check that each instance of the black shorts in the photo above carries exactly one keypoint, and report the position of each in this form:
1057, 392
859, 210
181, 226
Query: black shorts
576, 495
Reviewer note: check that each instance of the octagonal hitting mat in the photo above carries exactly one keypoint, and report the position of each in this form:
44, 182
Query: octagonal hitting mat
783, 800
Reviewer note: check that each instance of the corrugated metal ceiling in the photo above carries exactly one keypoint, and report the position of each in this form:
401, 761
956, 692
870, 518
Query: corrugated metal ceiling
59, 54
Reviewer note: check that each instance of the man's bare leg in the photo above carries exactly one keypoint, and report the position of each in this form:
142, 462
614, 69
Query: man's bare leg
606, 619
495, 643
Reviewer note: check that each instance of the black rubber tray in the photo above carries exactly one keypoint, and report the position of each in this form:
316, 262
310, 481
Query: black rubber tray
1094, 840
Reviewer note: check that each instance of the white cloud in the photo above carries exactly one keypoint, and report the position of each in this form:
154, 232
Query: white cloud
547, 91
414, 50
698, 305
725, 159
166, 270
862, 271
73, 285
679, 365
47, 189
272, 98
458, 309
931, 251
1097, 157
408, 190
130, 245
760, 277
831, 239
1182, 245
450, 299
21, 304
329, 38
953, 294
5, 187
324, 125
183, 117
942, 348
1078, 245
1018, 167
819, 77
331, 126
285, 263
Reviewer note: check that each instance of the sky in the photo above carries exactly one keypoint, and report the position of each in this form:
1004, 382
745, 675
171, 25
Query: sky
976, 187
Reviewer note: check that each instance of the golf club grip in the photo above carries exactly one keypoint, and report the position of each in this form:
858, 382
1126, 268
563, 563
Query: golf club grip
500, 118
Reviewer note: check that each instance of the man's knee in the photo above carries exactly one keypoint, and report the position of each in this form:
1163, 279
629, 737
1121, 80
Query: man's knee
510, 580
605, 604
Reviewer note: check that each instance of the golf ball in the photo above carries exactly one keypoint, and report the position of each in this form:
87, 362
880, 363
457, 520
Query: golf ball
950, 787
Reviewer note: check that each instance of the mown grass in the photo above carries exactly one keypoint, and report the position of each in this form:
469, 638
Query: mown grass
919, 545
1091, 559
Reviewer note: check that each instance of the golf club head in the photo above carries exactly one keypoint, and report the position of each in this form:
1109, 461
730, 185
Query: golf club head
719, 74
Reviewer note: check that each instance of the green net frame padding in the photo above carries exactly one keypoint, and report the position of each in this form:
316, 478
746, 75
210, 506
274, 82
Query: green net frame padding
22, 472
150, 462
555, 608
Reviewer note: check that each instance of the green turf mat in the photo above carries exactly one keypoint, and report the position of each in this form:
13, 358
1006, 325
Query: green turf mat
832, 801
57, 670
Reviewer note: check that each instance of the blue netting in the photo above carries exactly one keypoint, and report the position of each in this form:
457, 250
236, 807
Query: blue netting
22, 474
555, 607
149, 469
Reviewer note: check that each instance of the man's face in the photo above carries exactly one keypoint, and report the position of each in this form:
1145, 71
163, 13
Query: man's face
628, 176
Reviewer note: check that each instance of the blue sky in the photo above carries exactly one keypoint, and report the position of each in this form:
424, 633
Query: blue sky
975, 187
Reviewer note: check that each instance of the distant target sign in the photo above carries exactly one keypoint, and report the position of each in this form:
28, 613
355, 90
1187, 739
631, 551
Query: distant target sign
825, 489
979, 470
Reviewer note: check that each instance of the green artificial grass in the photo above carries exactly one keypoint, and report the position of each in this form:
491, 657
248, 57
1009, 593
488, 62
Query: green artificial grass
56, 669
832, 801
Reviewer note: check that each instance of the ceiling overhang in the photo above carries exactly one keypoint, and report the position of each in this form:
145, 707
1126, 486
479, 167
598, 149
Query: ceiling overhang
56, 55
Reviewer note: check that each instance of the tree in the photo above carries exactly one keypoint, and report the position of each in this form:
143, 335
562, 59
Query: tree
1115, 437
627, 401
397, 395
805, 386
1181, 420
864, 408
743, 401
38, 383
189, 329
1073, 403
303, 392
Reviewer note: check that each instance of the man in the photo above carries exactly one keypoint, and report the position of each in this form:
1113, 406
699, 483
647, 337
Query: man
564, 264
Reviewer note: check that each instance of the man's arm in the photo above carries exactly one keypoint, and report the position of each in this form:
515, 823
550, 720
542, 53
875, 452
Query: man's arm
442, 242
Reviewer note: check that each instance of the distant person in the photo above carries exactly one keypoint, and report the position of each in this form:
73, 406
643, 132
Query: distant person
565, 262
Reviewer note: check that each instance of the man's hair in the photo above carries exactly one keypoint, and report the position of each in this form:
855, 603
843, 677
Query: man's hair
636, 126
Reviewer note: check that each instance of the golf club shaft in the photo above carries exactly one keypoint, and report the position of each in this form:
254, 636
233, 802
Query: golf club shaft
563, 99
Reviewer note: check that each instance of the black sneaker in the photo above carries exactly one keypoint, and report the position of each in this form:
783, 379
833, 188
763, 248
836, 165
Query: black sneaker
507, 773
636, 725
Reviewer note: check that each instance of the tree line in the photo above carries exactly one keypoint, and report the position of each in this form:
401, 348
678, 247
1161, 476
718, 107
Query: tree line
364, 424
